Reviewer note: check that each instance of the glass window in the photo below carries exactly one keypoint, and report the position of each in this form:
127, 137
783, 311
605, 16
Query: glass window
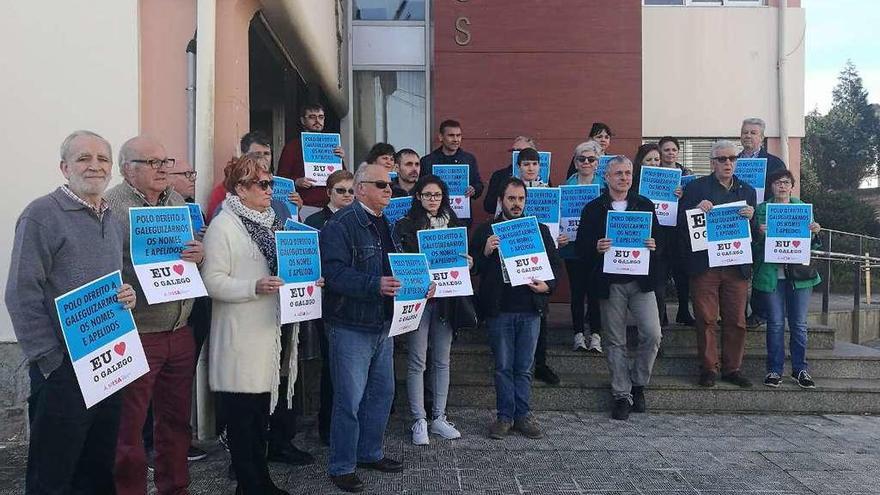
389, 10
664, 2
388, 107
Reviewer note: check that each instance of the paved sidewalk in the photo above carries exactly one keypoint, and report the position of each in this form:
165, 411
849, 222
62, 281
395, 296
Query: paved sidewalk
591, 454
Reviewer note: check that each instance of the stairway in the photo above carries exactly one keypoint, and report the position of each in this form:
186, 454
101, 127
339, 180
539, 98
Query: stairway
847, 376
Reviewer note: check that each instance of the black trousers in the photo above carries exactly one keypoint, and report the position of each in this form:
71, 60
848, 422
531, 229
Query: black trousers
664, 268
247, 422
578, 284
72, 449
282, 423
325, 411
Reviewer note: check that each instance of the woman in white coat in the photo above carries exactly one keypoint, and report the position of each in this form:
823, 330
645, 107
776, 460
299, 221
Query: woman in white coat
238, 271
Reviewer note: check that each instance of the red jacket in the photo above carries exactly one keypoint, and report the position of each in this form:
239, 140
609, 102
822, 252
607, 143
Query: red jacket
291, 166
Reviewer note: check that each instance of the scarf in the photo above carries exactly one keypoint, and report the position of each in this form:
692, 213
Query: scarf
261, 227
439, 222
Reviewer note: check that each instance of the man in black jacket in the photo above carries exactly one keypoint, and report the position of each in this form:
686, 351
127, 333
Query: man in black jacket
719, 289
618, 293
513, 315
493, 191
450, 153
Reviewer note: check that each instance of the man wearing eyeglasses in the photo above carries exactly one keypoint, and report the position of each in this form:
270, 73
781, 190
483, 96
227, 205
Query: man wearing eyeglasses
493, 191
717, 290
166, 337
359, 291
408, 172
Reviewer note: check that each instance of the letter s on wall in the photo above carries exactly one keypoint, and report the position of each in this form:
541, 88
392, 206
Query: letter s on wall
462, 34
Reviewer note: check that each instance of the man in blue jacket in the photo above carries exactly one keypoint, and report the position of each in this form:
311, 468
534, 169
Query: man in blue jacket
359, 293
449, 153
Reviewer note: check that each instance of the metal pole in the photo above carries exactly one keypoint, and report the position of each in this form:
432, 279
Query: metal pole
826, 290
867, 278
857, 299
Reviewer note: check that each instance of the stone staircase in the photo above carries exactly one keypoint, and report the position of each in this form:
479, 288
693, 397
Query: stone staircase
847, 376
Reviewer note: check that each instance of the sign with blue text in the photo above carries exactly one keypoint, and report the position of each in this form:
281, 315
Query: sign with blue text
294, 226
728, 237
318, 157
299, 266
101, 337
195, 215
158, 236
572, 200
687, 179
457, 179
628, 231
602, 167
659, 184
282, 188
544, 165
753, 171
544, 203
445, 250
788, 233
411, 270
397, 208
696, 223
522, 251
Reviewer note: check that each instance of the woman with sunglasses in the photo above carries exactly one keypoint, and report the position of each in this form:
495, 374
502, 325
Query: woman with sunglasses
586, 159
430, 210
340, 189
246, 340
599, 132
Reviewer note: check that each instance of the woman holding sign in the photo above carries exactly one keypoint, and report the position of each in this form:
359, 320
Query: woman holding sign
430, 210
786, 290
238, 271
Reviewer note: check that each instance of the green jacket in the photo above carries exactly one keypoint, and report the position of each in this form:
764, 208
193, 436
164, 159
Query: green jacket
766, 275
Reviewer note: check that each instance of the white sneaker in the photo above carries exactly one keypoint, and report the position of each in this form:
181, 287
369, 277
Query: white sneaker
420, 432
580, 343
444, 428
595, 343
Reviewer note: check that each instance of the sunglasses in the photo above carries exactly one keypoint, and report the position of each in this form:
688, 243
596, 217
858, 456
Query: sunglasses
262, 184
342, 190
722, 159
582, 159
380, 184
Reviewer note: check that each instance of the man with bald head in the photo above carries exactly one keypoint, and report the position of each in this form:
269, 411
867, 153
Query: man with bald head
360, 291
62, 241
167, 339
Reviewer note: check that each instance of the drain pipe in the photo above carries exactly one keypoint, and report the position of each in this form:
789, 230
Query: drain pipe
191, 100
781, 78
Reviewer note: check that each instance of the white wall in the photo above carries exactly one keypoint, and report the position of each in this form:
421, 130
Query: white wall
67, 65
704, 69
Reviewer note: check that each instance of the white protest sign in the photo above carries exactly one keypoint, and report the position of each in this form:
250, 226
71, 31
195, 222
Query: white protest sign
299, 265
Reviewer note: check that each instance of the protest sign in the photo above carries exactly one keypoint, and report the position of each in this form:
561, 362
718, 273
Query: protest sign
444, 249
195, 216
411, 270
544, 165
659, 184
281, 189
522, 250
628, 231
158, 235
728, 237
753, 171
101, 337
294, 226
788, 233
397, 208
457, 179
572, 200
696, 223
687, 179
318, 157
543, 203
602, 167
299, 266
392, 175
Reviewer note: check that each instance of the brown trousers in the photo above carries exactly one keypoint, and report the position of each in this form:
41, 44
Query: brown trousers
720, 289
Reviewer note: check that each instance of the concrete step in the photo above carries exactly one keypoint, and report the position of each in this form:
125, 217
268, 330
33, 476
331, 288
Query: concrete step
819, 337
580, 392
844, 361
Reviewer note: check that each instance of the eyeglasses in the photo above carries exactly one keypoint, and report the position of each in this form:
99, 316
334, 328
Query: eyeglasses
261, 153
722, 159
782, 182
189, 174
264, 184
582, 159
380, 184
342, 190
155, 163
438, 195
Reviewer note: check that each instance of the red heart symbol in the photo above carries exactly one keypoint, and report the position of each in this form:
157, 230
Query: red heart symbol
636, 254
330, 168
665, 206
796, 243
737, 244
310, 289
418, 305
178, 269
458, 201
454, 273
119, 348
534, 259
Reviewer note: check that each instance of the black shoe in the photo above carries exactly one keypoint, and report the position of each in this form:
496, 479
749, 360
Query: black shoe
773, 380
685, 318
754, 321
385, 465
546, 375
621, 409
803, 379
348, 482
290, 455
324, 437
638, 405
195, 454
737, 379
707, 379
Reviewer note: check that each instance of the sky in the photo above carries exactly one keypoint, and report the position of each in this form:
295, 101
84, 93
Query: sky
838, 30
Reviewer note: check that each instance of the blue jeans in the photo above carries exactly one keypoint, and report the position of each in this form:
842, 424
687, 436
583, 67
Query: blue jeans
791, 302
362, 368
513, 337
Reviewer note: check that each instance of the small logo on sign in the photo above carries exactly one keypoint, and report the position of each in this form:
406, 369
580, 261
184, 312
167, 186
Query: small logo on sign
120, 348
178, 269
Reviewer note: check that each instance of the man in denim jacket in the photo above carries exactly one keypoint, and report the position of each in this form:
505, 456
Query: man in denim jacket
359, 294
